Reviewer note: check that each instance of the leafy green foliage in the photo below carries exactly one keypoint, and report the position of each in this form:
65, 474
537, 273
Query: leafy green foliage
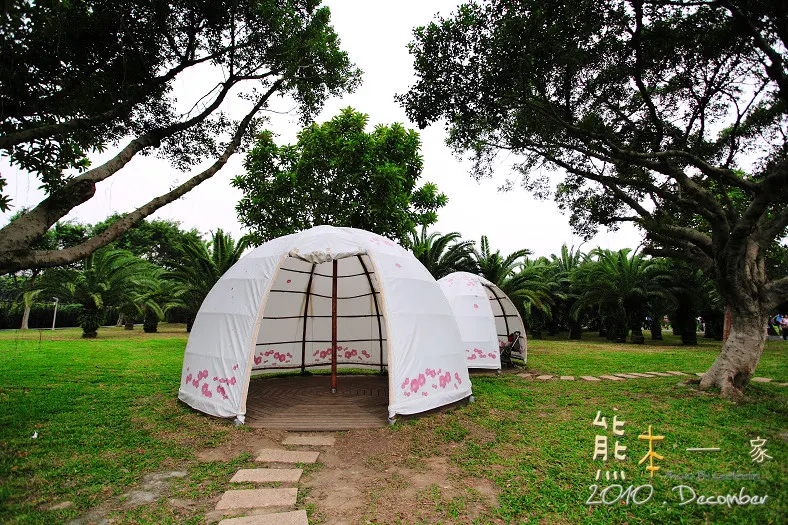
198, 268
156, 241
106, 278
441, 254
337, 174
619, 287
648, 108
79, 77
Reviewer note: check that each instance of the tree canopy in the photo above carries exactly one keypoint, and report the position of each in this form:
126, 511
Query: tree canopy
339, 174
668, 114
79, 77
157, 241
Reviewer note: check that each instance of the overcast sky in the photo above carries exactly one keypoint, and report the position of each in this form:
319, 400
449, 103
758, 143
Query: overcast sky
375, 34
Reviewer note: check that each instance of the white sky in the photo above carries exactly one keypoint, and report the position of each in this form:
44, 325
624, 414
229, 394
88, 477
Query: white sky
375, 34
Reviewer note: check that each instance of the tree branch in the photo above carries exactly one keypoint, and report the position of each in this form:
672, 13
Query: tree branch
776, 293
47, 130
17, 260
775, 70
24, 231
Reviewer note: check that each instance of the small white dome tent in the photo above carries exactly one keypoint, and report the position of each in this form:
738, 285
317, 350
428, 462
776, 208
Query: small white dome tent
288, 303
485, 316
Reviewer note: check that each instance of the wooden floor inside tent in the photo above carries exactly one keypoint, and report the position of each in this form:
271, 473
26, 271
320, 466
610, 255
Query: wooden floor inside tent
307, 404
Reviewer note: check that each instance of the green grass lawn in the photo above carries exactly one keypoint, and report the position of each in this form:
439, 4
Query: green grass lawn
595, 355
106, 413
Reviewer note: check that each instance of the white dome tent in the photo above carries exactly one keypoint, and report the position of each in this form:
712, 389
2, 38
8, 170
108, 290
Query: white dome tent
485, 316
296, 301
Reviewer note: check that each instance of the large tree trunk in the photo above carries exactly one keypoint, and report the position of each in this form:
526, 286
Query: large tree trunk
740, 354
726, 329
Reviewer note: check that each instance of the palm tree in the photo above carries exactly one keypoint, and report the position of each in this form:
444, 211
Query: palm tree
155, 297
619, 287
493, 266
562, 270
531, 287
695, 294
522, 279
201, 264
442, 254
105, 278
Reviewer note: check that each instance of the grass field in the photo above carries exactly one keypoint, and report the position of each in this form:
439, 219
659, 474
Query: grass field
105, 412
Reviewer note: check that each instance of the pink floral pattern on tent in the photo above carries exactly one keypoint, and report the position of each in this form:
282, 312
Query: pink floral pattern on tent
196, 381
438, 380
272, 357
344, 353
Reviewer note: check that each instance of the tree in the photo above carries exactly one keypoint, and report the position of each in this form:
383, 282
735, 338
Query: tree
493, 266
199, 267
155, 296
441, 254
105, 278
522, 279
155, 241
337, 174
532, 286
61, 235
78, 77
649, 109
562, 270
619, 287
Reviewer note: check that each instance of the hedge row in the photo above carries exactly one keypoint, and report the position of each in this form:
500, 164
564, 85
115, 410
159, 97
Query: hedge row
67, 315
41, 315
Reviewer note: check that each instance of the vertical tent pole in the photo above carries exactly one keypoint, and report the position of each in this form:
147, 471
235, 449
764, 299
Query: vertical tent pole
334, 330
306, 312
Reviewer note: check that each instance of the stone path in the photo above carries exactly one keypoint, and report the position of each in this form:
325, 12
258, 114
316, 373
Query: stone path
280, 499
631, 375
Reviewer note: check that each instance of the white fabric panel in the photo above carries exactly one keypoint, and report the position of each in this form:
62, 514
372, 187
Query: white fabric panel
427, 362
472, 310
216, 361
253, 319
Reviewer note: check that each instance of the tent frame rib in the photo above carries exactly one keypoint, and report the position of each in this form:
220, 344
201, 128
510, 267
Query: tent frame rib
324, 296
322, 274
377, 309
334, 292
306, 311
505, 317
266, 343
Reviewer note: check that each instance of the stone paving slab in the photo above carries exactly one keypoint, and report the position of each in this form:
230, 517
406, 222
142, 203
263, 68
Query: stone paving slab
761, 380
674, 373
257, 498
544, 377
275, 455
525, 375
627, 376
640, 374
661, 374
699, 374
589, 378
612, 378
315, 441
568, 378
297, 517
268, 475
